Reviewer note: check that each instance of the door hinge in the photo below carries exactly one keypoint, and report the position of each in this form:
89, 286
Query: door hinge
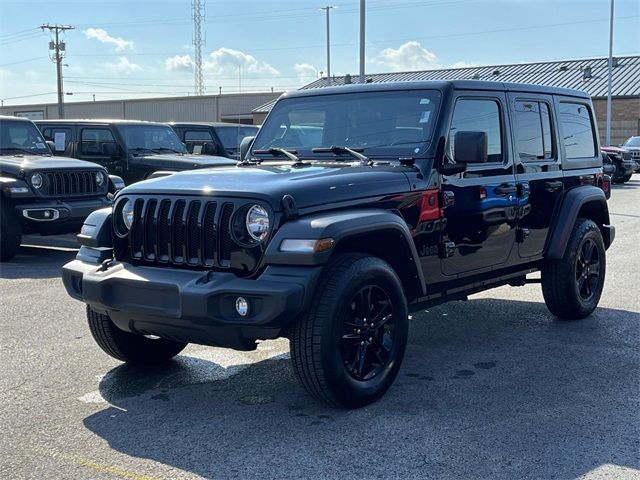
522, 234
447, 249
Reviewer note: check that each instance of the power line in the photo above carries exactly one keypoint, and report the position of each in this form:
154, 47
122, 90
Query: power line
59, 48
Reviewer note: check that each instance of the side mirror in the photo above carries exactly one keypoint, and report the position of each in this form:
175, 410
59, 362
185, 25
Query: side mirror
471, 147
52, 146
245, 146
111, 149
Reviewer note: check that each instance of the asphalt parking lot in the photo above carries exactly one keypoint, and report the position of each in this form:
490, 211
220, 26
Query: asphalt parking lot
494, 387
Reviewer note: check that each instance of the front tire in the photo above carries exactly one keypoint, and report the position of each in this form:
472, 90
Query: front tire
347, 349
10, 233
130, 347
572, 285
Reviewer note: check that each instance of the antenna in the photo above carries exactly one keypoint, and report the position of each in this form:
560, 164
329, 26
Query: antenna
197, 8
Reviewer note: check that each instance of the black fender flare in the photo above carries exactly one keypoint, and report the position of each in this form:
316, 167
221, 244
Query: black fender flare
572, 202
340, 226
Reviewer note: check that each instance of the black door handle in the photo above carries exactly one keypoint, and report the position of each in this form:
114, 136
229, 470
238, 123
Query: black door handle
553, 185
505, 189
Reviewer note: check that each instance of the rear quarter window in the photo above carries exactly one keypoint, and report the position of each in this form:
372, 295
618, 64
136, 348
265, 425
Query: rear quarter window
578, 130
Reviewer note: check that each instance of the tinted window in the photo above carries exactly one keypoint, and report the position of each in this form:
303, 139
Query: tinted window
61, 137
93, 139
21, 137
478, 116
197, 136
386, 123
151, 137
632, 142
533, 130
577, 130
231, 136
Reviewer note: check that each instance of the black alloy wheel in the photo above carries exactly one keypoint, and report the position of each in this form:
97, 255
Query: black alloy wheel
588, 270
367, 333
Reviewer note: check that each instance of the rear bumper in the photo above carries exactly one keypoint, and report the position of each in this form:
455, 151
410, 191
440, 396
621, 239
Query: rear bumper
193, 306
60, 211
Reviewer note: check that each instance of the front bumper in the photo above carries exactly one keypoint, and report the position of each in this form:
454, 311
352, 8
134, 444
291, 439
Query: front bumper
60, 211
192, 306
627, 167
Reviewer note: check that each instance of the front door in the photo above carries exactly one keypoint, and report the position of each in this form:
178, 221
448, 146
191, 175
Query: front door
538, 169
97, 144
480, 228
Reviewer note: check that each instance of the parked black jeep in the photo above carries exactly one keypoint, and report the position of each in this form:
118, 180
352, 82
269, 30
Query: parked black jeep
135, 150
43, 194
213, 138
416, 193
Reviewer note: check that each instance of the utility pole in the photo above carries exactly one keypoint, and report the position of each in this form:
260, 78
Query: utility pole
362, 22
326, 9
610, 67
197, 7
59, 49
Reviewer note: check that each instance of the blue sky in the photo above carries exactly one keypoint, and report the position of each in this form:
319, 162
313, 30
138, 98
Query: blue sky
142, 48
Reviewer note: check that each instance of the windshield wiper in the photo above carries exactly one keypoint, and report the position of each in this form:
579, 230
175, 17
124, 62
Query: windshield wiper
171, 150
281, 152
336, 150
144, 149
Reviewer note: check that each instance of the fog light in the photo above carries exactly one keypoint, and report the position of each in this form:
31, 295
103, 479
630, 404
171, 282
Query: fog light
242, 306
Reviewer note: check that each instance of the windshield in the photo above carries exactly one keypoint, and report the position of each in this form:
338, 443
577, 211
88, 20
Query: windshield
21, 137
232, 135
632, 142
397, 123
151, 137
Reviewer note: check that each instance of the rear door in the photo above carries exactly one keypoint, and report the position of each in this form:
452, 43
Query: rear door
538, 169
480, 226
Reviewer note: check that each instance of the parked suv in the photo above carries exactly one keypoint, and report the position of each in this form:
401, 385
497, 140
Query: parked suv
417, 193
43, 194
216, 138
135, 150
622, 159
632, 144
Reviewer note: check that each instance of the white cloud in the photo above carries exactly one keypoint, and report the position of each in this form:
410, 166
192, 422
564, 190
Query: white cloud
101, 35
306, 73
123, 66
179, 62
228, 60
463, 65
408, 56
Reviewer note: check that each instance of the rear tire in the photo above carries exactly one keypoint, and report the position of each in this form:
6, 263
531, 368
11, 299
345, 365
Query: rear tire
10, 233
130, 347
572, 285
347, 349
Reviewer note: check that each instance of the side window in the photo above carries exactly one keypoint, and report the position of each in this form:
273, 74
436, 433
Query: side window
578, 132
92, 140
197, 136
61, 137
476, 115
533, 130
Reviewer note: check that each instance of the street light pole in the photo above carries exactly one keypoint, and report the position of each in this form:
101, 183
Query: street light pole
326, 9
609, 69
362, 23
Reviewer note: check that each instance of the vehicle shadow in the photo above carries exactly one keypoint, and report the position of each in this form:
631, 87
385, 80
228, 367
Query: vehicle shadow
488, 389
628, 185
36, 262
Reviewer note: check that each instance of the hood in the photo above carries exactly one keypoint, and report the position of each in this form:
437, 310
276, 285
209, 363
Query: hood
614, 149
174, 161
17, 164
309, 185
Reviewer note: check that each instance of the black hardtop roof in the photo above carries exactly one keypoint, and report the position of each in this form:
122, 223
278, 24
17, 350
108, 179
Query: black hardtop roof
211, 124
437, 85
97, 121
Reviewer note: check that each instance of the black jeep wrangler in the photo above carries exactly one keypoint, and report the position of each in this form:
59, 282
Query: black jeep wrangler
352, 207
134, 150
43, 194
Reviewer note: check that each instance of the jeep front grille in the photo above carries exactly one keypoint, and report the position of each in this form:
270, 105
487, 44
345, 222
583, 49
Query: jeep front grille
70, 183
183, 232
626, 155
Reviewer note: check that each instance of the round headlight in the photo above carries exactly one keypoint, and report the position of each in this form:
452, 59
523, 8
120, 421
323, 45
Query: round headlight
257, 222
99, 178
127, 214
36, 180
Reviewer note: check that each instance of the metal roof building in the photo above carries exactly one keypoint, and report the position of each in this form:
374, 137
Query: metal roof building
589, 75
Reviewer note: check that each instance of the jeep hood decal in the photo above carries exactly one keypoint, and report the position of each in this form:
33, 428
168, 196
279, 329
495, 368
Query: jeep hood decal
310, 185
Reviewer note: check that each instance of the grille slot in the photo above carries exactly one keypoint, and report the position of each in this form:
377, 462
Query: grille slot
187, 232
69, 183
